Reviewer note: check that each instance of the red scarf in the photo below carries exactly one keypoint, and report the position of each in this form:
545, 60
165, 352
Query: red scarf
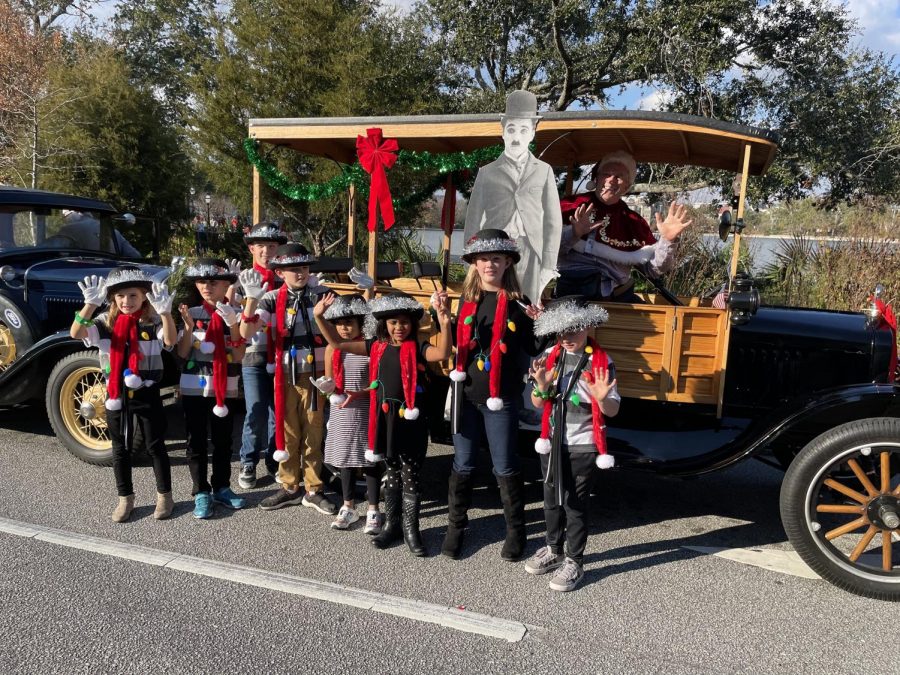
464, 341
408, 371
598, 360
337, 370
215, 333
268, 285
124, 330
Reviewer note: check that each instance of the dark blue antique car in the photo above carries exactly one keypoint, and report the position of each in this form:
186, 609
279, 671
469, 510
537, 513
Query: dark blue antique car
703, 387
49, 242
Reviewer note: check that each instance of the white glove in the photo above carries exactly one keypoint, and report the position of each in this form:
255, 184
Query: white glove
324, 384
160, 299
228, 313
233, 265
252, 283
94, 290
361, 279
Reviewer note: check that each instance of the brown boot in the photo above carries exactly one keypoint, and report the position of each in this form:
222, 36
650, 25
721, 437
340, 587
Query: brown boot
164, 505
123, 509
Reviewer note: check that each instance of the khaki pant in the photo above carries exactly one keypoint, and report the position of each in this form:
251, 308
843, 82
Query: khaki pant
303, 430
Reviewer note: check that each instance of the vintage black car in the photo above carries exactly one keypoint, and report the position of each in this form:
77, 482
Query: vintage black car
703, 387
49, 242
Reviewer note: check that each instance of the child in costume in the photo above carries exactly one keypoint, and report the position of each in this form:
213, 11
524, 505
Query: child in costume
211, 348
575, 387
130, 338
298, 351
398, 433
346, 382
257, 371
493, 329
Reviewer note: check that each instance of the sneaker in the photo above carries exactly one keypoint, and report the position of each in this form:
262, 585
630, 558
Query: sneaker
374, 521
281, 499
319, 502
345, 518
543, 561
568, 577
247, 477
226, 497
203, 506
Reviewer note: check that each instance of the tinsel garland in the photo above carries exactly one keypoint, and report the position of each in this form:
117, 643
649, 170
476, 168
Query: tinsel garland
461, 164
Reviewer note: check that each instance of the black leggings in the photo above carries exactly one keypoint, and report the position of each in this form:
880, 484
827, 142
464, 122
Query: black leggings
146, 409
199, 418
570, 521
373, 477
404, 468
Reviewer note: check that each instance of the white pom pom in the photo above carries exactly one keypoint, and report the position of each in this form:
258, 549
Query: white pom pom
458, 375
337, 399
270, 368
495, 403
220, 410
133, 381
207, 347
605, 461
280, 456
411, 414
113, 404
373, 457
542, 445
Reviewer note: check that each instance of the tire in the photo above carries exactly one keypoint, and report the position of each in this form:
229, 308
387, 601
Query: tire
75, 401
836, 504
16, 334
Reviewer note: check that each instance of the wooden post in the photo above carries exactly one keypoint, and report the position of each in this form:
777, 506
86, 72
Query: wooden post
257, 199
373, 264
351, 221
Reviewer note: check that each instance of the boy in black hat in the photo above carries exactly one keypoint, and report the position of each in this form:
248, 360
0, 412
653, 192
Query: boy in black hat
298, 351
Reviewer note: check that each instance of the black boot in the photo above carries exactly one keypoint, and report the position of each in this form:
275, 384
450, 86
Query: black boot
411, 534
511, 489
390, 532
459, 497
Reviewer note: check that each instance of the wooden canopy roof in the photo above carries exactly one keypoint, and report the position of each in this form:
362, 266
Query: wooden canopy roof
563, 138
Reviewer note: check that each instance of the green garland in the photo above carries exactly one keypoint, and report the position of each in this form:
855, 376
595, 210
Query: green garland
457, 163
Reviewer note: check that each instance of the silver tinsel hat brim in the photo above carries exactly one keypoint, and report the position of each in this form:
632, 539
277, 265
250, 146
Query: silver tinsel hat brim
341, 308
292, 260
266, 233
208, 272
569, 317
120, 278
388, 304
476, 246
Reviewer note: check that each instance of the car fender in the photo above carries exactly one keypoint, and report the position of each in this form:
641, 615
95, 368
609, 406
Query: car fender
26, 378
21, 321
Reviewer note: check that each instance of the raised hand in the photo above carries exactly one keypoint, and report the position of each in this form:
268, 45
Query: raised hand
228, 313
323, 304
441, 303
581, 220
675, 223
93, 289
361, 279
252, 283
160, 298
534, 311
186, 317
539, 374
233, 265
601, 384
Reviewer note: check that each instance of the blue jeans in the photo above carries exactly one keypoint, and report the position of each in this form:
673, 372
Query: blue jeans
501, 427
258, 435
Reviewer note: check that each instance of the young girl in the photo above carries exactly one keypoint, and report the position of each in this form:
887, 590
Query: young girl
397, 433
211, 348
346, 380
493, 329
130, 338
575, 387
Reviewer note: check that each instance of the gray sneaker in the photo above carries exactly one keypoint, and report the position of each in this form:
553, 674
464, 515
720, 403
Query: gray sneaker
320, 503
568, 577
543, 561
247, 477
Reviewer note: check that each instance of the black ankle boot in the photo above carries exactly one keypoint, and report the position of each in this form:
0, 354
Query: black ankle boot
511, 489
390, 532
459, 497
411, 534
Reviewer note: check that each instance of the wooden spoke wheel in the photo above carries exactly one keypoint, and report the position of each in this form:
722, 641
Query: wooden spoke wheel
840, 504
76, 394
7, 347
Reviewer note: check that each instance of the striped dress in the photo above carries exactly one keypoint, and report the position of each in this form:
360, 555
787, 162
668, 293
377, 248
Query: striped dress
197, 371
347, 431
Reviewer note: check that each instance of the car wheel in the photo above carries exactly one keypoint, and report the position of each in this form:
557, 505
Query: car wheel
76, 394
840, 506
15, 333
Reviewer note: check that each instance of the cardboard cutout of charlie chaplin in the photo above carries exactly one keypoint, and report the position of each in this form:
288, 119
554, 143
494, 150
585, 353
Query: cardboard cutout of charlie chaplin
517, 193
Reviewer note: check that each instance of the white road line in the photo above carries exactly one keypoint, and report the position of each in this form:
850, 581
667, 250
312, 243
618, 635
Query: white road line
449, 617
775, 560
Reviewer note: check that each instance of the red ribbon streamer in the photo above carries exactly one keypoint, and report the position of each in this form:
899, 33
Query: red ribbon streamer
375, 155
887, 315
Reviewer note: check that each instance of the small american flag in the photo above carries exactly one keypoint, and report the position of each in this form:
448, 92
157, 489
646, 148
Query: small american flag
721, 299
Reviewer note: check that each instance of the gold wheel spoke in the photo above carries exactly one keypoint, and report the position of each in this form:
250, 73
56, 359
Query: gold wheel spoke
885, 472
863, 543
886, 543
844, 490
839, 508
863, 478
844, 529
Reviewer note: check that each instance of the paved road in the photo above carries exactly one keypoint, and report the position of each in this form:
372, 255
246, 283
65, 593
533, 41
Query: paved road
649, 604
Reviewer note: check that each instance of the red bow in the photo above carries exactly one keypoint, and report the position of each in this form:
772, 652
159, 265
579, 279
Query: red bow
375, 155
